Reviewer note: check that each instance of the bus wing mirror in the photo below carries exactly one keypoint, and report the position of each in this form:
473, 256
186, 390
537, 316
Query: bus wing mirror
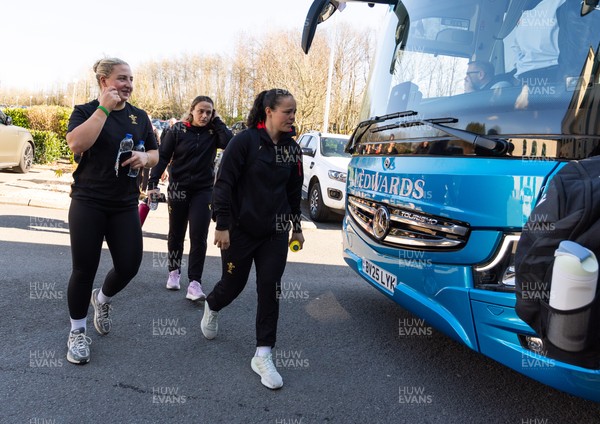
319, 11
587, 6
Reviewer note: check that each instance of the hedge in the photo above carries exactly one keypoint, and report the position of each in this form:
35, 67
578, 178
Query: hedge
49, 118
47, 146
19, 117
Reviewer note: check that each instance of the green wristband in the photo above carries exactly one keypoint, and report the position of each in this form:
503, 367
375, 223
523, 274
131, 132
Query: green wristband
103, 109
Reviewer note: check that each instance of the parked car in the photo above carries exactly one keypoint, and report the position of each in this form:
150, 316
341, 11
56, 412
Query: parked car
325, 165
238, 127
16, 146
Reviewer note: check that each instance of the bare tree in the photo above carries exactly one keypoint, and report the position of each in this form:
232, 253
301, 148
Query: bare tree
166, 87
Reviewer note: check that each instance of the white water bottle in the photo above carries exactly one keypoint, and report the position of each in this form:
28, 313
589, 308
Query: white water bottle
572, 291
574, 277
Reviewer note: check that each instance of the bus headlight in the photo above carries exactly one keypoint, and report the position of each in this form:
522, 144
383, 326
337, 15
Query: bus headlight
499, 273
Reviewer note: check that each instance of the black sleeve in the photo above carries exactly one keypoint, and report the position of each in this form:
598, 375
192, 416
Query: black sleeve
165, 154
294, 189
230, 169
78, 117
224, 134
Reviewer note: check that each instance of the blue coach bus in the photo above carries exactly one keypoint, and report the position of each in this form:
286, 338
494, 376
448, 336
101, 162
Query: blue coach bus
471, 107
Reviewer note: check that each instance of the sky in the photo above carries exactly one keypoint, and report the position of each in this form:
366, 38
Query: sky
46, 43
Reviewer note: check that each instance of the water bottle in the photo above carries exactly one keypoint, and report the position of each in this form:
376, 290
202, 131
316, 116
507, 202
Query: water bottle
572, 291
126, 145
133, 173
574, 277
153, 200
295, 246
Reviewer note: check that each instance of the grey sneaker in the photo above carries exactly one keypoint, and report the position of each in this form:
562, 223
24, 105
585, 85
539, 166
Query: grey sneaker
102, 320
78, 347
264, 366
210, 323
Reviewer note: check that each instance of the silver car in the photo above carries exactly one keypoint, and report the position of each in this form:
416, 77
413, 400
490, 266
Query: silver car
16, 146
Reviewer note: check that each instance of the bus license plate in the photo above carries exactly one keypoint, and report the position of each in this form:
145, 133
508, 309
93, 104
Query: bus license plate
381, 277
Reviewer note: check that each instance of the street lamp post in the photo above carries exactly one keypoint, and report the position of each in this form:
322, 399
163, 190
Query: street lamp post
329, 82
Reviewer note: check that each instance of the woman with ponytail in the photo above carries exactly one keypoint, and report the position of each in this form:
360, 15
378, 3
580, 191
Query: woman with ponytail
190, 147
256, 205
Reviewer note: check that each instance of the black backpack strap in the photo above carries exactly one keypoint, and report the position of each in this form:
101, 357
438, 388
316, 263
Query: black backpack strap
584, 223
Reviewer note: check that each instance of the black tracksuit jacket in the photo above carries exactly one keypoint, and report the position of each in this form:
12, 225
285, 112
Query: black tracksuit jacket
191, 151
258, 187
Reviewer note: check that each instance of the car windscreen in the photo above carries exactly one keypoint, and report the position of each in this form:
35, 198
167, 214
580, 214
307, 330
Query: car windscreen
334, 147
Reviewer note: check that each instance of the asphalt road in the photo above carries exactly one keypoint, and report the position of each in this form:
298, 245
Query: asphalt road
340, 351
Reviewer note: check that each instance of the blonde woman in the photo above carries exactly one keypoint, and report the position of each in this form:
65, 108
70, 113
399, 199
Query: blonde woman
104, 204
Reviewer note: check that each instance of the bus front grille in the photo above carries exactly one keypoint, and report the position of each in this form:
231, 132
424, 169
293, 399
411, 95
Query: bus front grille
403, 228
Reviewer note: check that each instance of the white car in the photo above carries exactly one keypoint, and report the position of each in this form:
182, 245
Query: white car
325, 165
16, 146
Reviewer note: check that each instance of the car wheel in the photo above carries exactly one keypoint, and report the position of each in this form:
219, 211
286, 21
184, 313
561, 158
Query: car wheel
317, 209
26, 161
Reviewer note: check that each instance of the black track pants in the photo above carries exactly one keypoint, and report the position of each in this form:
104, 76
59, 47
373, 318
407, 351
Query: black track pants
269, 256
193, 207
89, 225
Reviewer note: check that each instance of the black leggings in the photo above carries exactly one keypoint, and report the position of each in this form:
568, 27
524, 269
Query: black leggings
89, 224
269, 256
192, 206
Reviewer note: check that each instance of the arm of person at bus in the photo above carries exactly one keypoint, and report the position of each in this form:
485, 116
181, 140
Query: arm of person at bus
501, 84
82, 137
231, 167
165, 153
224, 134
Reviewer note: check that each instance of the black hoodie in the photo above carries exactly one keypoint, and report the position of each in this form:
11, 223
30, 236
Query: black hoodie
259, 184
191, 151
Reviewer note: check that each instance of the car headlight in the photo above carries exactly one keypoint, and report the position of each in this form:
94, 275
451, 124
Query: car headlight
337, 175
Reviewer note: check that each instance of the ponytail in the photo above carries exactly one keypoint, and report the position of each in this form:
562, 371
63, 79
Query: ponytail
265, 99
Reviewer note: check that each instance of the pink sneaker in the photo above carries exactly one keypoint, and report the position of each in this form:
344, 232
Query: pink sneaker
194, 291
173, 281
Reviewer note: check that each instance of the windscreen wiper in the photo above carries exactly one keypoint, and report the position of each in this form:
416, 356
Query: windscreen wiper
366, 124
497, 146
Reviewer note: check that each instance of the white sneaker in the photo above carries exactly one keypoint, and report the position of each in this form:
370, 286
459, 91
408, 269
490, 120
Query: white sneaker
264, 366
78, 347
102, 321
210, 323
194, 291
173, 281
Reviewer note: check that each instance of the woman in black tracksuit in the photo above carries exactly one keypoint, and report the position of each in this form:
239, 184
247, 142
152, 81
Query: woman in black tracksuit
256, 204
190, 148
